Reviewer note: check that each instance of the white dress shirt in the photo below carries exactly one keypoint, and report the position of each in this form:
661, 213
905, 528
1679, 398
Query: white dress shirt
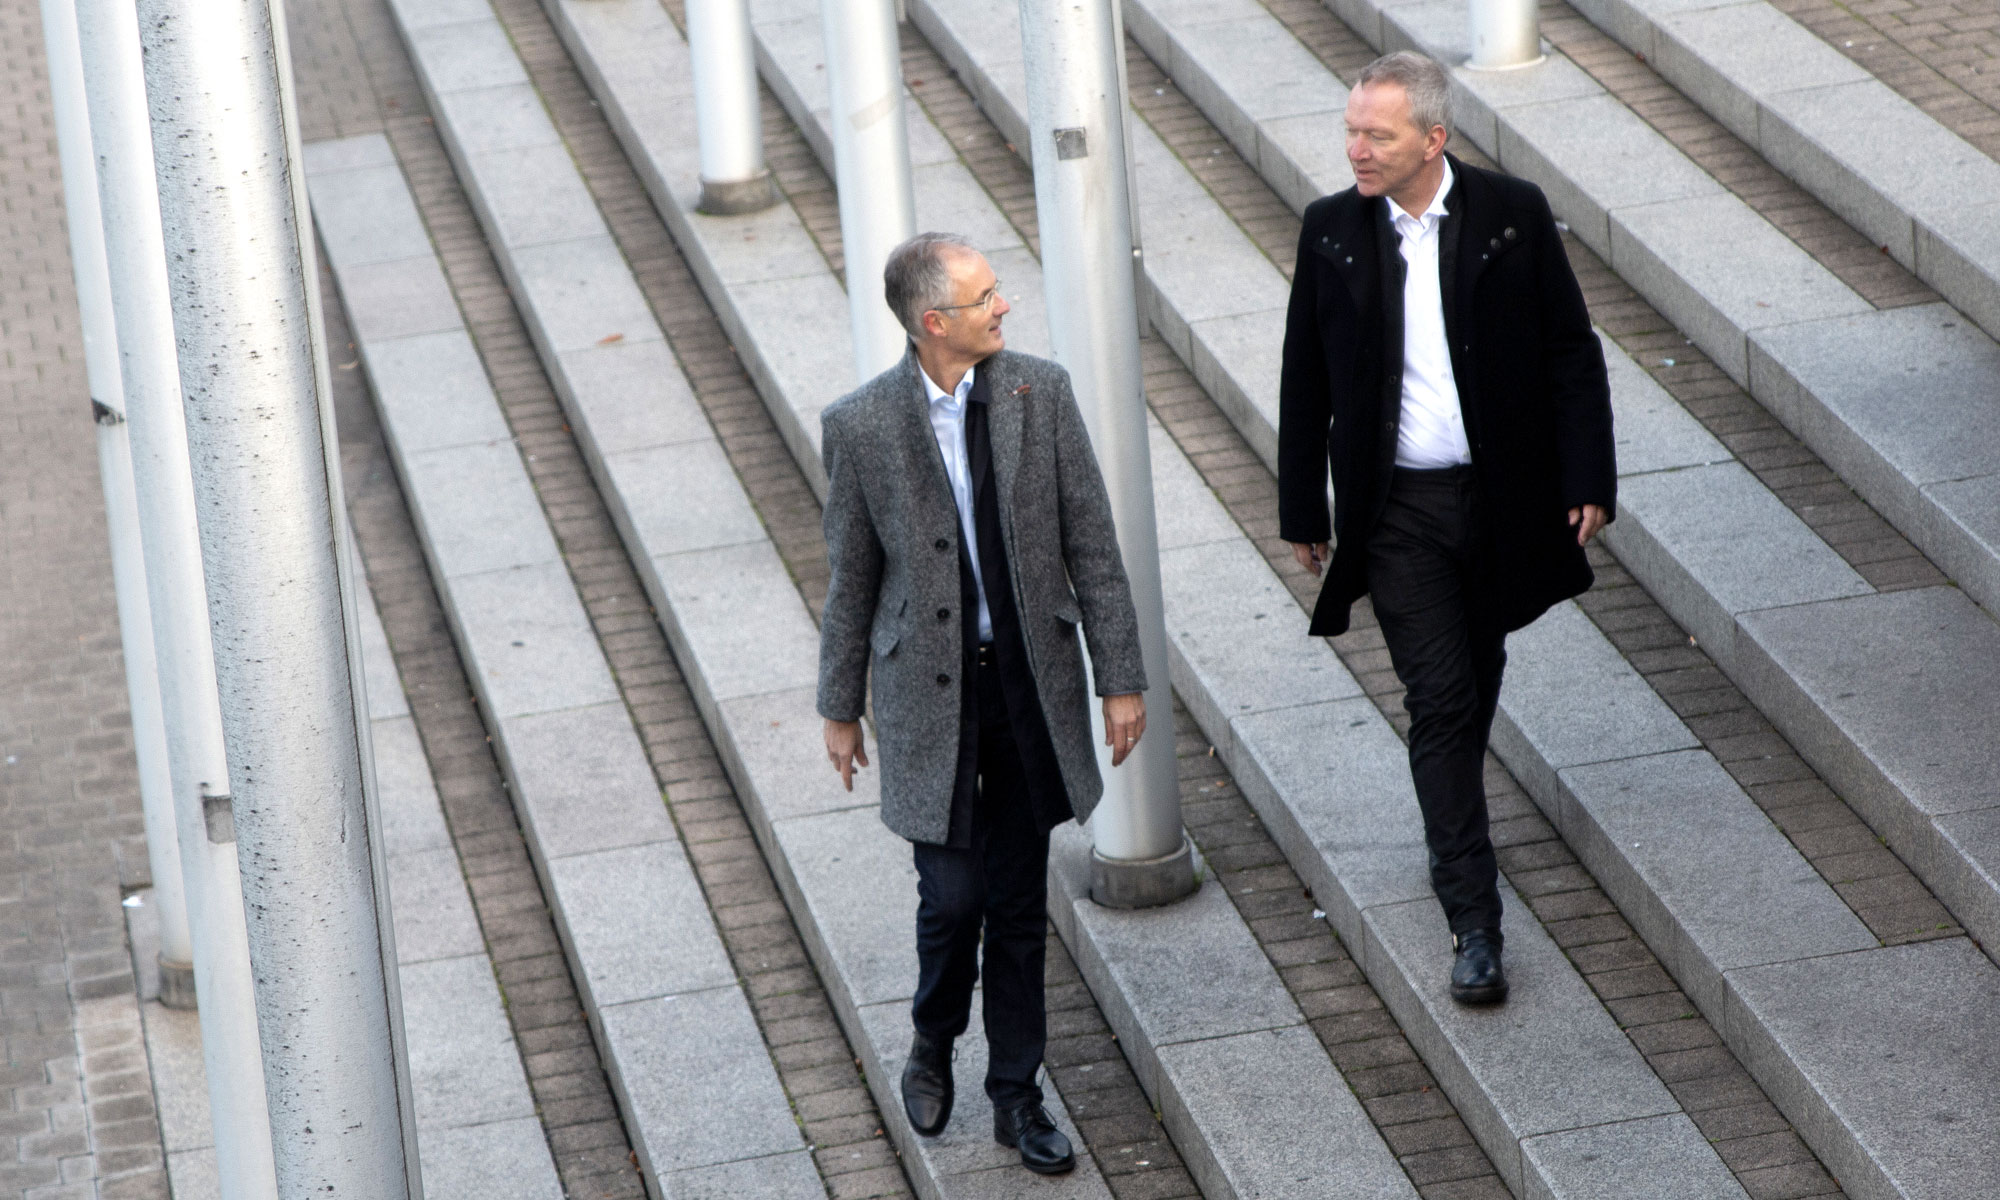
948, 423
1432, 431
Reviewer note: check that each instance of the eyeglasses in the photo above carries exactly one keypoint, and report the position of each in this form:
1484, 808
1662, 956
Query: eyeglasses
987, 299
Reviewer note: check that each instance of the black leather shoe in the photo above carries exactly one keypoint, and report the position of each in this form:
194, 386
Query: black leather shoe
1027, 1127
927, 1089
1476, 974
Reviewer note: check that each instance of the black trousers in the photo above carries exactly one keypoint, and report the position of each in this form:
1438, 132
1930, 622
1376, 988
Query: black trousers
998, 885
1421, 578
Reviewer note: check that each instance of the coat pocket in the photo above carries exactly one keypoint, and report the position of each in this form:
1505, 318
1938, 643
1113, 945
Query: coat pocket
1066, 611
888, 631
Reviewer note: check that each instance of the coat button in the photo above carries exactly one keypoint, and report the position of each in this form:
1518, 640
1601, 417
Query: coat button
943, 680
942, 544
1509, 233
944, 614
1494, 243
1350, 258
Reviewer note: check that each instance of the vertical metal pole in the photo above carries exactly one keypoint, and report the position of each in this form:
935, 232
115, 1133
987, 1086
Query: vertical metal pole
871, 155
1505, 34
121, 140
121, 504
1076, 118
734, 178
268, 501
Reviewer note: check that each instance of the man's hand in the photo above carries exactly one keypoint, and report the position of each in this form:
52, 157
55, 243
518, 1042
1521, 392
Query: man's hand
1124, 723
844, 749
1588, 520
1313, 556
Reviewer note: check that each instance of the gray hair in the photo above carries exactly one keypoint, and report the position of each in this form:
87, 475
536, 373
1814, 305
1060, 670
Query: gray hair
1421, 79
915, 279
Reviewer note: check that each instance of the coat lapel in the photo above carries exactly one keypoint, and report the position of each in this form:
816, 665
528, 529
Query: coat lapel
1484, 235
1348, 246
1003, 429
912, 408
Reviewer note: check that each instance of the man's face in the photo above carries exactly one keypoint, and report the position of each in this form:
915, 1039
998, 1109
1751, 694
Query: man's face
970, 325
1384, 145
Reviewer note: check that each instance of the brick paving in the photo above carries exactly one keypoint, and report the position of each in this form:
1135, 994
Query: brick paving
76, 1104
1838, 246
1941, 55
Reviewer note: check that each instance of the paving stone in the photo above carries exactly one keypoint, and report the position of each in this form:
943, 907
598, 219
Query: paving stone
697, 1081
1549, 1060
630, 396
399, 299
1653, 431
1956, 251
433, 915
509, 117
464, 1069
1278, 1122
1851, 406
1593, 156
736, 622
461, 55
1662, 1158
506, 1160
1890, 697
529, 641
1570, 698
777, 1176
1332, 784
776, 742
1720, 272
1237, 359
1736, 895
637, 924
1191, 971
703, 508
433, 391
582, 781
555, 207
579, 293
476, 509
1236, 641
1186, 510
1734, 58
369, 216
1867, 1052
853, 885
1712, 542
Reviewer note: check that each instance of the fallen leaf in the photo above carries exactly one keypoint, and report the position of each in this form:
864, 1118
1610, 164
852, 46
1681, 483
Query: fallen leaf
609, 338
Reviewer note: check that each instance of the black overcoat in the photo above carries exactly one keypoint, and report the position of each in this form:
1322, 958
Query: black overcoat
1531, 384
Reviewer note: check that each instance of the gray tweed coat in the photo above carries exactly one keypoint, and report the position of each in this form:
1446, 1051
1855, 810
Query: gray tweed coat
892, 537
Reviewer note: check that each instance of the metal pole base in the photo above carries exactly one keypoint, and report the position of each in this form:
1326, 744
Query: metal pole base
722, 199
1145, 882
176, 983
1536, 61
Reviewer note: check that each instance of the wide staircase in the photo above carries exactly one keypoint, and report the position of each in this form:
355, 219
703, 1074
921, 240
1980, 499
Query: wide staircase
1747, 789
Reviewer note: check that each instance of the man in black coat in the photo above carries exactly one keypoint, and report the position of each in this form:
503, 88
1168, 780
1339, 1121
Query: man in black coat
1439, 359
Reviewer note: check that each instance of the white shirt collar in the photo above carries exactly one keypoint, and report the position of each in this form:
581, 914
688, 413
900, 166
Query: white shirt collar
935, 394
1436, 210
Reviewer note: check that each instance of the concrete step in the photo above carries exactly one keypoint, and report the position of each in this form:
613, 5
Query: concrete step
1216, 638
1200, 1106
477, 1129
1683, 482
737, 625
689, 1066
1928, 196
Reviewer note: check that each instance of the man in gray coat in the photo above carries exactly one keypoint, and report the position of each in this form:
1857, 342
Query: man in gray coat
970, 537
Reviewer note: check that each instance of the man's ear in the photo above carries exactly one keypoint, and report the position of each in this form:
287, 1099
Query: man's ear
1435, 140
